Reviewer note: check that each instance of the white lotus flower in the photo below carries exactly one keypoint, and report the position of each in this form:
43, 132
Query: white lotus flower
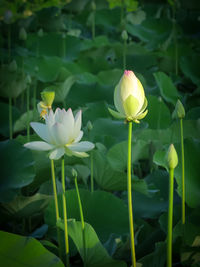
129, 98
61, 134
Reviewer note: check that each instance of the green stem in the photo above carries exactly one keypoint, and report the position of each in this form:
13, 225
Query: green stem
93, 25
28, 109
130, 197
9, 42
82, 221
183, 172
175, 40
170, 218
34, 96
65, 212
10, 117
92, 172
37, 47
56, 205
124, 55
64, 48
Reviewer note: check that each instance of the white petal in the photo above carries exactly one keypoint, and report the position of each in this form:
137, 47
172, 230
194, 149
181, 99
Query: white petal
59, 133
77, 124
41, 130
79, 137
39, 145
68, 122
50, 118
81, 147
59, 115
57, 153
118, 99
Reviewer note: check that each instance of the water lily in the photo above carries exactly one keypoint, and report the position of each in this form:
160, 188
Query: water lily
61, 133
129, 98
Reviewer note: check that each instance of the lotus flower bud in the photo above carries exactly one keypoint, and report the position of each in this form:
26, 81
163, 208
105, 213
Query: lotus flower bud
172, 157
89, 126
8, 16
48, 98
22, 34
93, 6
74, 173
129, 98
124, 35
64, 35
28, 79
179, 112
40, 32
12, 66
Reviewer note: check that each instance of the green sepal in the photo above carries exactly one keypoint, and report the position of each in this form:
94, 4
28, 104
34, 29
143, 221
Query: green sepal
142, 115
116, 114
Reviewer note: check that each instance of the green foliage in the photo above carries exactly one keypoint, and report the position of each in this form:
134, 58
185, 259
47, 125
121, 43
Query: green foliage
18, 251
17, 172
100, 203
96, 255
60, 53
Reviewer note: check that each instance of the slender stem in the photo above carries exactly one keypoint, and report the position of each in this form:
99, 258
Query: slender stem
65, 212
37, 47
93, 25
130, 197
92, 172
34, 95
124, 54
175, 39
170, 218
56, 205
9, 42
64, 48
82, 221
10, 118
183, 172
23, 76
28, 109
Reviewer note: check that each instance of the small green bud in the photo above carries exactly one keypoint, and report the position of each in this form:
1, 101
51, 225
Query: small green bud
63, 35
89, 126
40, 32
74, 173
8, 16
48, 98
22, 34
28, 79
12, 66
36, 69
124, 35
93, 6
179, 112
172, 157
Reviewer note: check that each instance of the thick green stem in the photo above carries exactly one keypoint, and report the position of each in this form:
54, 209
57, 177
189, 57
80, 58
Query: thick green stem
82, 221
56, 205
124, 54
183, 172
65, 212
170, 218
92, 172
28, 109
130, 197
10, 118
